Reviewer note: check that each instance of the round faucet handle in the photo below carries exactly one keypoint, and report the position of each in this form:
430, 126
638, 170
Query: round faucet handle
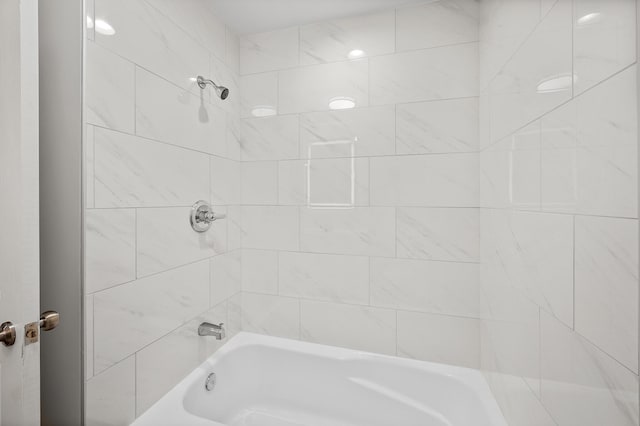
202, 215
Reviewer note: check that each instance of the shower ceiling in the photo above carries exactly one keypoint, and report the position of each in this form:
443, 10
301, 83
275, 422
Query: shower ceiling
250, 16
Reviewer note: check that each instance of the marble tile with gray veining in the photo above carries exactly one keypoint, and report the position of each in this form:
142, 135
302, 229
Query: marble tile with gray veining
358, 132
439, 338
270, 227
604, 40
510, 171
609, 109
88, 337
503, 26
292, 182
167, 113
269, 51
335, 278
337, 182
537, 78
110, 397
270, 315
165, 239
260, 182
260, 271
438, 287
367, 231
88, 167
522, 241
110, 248
606, 285
422, 75
437, 127
148, 38
178, 295
324, 87
591, 180
232, 57
513, 347
350, 326
226, 181
448, 180
134, 172
589, 161
234, 227
259, 95
110, 89
516, 400
270, 138
234, 137
499, 300
324, 183
90, 26
347, 38
437, 23
581, 384
198, 19
226, 276
438, 234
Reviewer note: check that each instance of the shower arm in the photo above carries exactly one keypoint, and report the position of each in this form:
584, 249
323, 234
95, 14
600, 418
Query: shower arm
202, 82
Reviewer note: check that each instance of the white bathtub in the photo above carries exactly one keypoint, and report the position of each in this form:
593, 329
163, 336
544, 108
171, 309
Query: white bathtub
270, 381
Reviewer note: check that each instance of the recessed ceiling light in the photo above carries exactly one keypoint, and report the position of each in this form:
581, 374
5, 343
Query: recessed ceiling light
263, 111
589, 18
104, 28
355, 53
556, 83
342, 102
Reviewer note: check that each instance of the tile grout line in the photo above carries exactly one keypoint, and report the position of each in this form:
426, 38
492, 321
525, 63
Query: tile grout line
356, 108
362, 207
347, 61
135, 260
369, 278
574, 273
560, 105
364, 305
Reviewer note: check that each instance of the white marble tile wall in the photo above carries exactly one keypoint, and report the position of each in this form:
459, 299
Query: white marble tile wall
333, 41
453, 181
156, 144
559, 217
360, 217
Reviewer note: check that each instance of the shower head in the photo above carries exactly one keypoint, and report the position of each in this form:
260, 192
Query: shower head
221, 91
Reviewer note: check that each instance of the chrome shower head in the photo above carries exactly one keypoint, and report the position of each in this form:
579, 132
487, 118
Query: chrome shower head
221, 91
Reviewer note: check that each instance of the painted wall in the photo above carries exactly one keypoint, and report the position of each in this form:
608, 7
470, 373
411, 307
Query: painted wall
559, 228
360, 225
155, 143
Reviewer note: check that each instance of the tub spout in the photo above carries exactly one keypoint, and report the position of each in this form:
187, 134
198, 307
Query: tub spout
215, 330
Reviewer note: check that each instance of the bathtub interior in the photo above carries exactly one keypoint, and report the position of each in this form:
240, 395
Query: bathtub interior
273, 381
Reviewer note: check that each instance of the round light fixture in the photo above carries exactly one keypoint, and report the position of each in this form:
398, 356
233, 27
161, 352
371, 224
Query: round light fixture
589, 18
342, 102
104, 28
556, 83
263, 111
355, 54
